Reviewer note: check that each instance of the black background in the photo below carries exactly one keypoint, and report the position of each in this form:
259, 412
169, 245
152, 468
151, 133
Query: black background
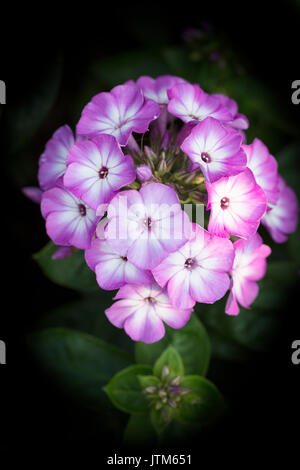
269, 40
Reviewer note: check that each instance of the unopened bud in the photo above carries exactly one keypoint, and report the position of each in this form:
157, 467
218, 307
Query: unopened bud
165, 372
176, 380
162, 167
150, 154
184, 391
150, 390
143, 173
162, 393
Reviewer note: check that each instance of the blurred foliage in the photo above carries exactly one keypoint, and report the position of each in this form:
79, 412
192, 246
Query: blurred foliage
78, 363
70, 272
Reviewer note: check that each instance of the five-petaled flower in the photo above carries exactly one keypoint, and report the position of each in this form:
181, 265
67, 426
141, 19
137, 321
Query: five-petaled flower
190, 103
237, 205
146, 225
52, 163
97, 169
249, 266
198, 271
141, 311
119, 112
113, 270
216, 149
282, 219
69, 221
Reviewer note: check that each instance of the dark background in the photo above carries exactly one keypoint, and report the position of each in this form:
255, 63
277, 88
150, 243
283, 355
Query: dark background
266, 413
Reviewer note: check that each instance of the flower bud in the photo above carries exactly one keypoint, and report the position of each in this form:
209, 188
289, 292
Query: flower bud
143, 173
150, 390
165, 372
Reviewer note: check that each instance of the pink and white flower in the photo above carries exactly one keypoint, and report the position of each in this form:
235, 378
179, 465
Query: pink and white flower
239, 121
264, 167
282, 219
190, 103
69, 221
216, 149
52, 163
198, 271
146, 225
113, 270
141, 311
249, 266
156, 89
119, 112
97, 169
237, 205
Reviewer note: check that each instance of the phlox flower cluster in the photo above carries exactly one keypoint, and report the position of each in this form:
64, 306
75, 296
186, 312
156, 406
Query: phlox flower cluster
118, 187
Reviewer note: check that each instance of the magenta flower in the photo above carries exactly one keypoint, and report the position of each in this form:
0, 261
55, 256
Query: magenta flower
146, 226
69, 222
264, 168
239, 121
120, 112
249, 265
156, 89
52, 164
97, 169
237, 205
282, 219
143, 173
141, 311
198, 271
113, 270
190, 103
216, 149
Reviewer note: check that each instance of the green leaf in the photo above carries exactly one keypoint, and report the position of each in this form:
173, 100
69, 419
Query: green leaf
161, 418
148, 381
203, 404
191, 342
172, 360
70, 272
86, 314
79, 364
139, 431
125, 391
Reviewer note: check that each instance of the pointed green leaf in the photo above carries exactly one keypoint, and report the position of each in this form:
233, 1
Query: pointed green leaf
79, 364
70, 272
139, 431
203, 404
172, 360
148, 381
125, 391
